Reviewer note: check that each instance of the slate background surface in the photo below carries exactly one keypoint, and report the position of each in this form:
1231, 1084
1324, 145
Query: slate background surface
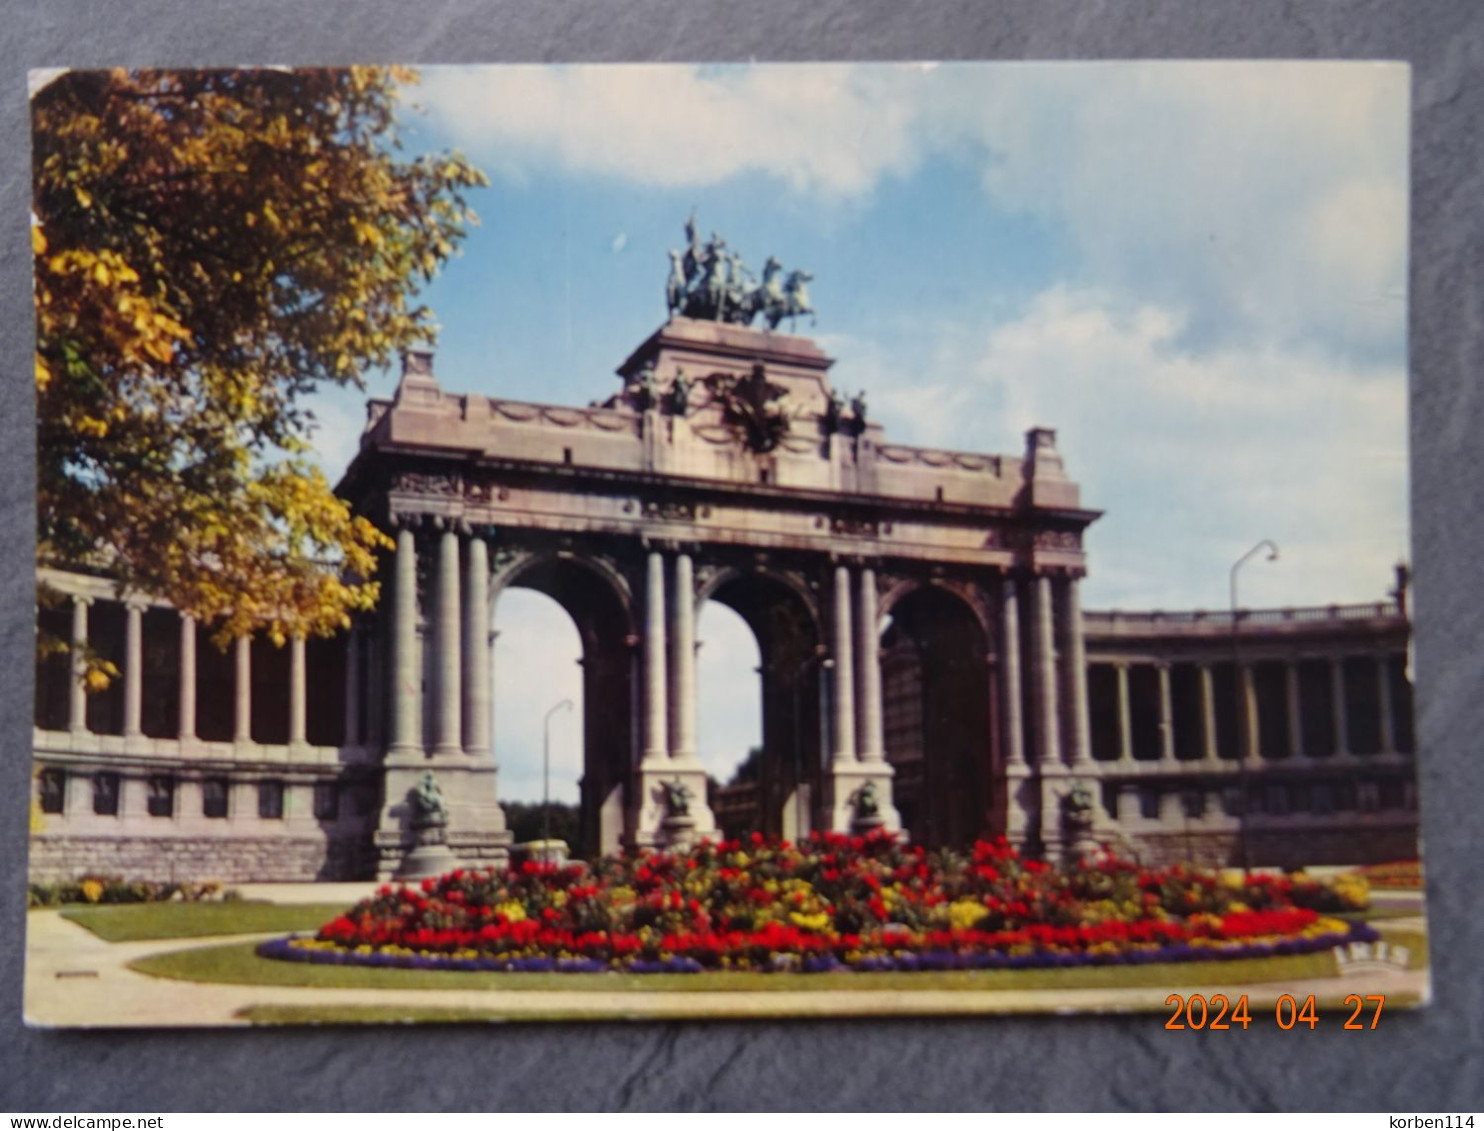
1424, 1061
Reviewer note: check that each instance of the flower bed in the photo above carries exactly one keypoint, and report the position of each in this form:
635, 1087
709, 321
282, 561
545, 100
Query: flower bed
833, 902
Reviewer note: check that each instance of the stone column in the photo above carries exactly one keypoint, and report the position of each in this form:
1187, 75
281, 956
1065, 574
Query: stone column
242, 689
448, 736
1125, 716
133, 670
1295, 710
1075, 666
1337, 705
843, 681
1383, 702
682, 641
298, 705
870, 728
77, 691
1208, 715
1010, 670
406, 679
655, 714
1248, 724
351, 734
478, 689
1046, 700
1166, 715
186, 728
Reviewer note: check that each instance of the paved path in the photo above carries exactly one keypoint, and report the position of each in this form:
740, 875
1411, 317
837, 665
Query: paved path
74, 978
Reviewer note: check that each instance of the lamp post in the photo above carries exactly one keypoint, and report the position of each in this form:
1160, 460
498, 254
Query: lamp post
1244, 716
565, 704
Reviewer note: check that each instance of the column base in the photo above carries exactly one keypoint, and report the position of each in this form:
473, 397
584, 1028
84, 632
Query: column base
654, 825
475, 835
843, 787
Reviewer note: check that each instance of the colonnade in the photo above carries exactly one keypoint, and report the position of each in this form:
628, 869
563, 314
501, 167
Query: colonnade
187, 730
1248, 729
1061, 722
462, 661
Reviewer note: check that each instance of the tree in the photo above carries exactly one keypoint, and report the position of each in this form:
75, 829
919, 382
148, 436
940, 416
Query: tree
210, 246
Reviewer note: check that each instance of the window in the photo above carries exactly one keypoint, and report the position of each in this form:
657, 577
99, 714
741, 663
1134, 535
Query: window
1149, 802
1110, 798
1390, 793
326, 800
1231, 801
1194, 803
1323, 794
1344, 795
1278, 799
270, 800
53, 788
1300, 797
214, 798
161, 796
106, 795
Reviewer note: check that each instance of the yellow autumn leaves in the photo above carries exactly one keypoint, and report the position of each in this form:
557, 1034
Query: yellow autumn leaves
209, 247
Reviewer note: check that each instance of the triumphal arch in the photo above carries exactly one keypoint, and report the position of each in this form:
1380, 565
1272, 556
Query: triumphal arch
916, 610
926, 665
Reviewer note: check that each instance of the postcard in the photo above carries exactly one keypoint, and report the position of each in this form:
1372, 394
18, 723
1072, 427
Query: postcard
598, 542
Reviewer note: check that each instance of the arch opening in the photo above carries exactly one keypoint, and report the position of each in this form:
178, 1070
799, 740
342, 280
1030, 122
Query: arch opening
542, 657
784, 790
729, 715
939, 719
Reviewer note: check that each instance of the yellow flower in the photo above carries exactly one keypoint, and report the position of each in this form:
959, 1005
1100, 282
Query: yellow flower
816, 922
92, 890
964, 913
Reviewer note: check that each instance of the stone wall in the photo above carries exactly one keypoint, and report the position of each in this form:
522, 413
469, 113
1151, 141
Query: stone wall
1277, 848
227, 859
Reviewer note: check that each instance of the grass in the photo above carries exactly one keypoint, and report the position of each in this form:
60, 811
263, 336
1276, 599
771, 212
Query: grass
133, 922
237, 964
1414, 941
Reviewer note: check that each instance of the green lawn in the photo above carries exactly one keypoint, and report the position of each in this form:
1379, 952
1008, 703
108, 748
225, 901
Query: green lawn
1414, 941
133, 922
236, 964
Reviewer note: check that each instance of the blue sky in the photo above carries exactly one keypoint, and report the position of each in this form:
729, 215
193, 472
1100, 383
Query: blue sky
1196, 273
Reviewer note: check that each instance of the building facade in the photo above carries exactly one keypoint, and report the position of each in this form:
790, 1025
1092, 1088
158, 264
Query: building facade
926, 663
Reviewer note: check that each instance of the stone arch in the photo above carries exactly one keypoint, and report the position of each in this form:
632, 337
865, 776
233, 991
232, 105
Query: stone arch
970, 593
783, 615
940, 716
596, 598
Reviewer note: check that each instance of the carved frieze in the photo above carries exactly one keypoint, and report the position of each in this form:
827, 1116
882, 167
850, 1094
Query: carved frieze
439, 484
669, 511
1068, 540
855, 527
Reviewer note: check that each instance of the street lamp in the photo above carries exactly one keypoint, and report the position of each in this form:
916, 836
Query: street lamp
565, 704
1244, 715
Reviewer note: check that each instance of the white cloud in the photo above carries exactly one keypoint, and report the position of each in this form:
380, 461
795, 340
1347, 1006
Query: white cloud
536, 654
1193, 456
1264, 198
1260, 198
830, 129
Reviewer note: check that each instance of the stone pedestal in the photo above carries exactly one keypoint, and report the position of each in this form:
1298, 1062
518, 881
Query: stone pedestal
475, 835
842, 787
430, 856
653, 824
